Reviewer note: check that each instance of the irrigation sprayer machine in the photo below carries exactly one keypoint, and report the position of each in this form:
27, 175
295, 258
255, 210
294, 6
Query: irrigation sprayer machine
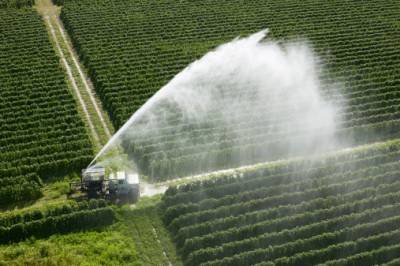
121, 186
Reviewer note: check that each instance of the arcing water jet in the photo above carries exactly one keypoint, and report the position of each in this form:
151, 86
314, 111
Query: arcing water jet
247, 101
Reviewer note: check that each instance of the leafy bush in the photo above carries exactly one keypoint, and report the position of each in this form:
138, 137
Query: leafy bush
41, 133
58, 220
290, 213
16, 3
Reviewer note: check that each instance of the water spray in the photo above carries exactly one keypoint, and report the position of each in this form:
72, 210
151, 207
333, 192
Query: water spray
247, 101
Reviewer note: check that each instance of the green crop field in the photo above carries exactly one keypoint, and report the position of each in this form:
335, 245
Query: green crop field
41, 134
16, 3
44, 143
297, 213
339, 208
60, 219
138, 46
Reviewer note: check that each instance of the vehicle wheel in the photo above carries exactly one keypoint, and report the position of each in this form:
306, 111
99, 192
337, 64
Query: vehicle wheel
132, 196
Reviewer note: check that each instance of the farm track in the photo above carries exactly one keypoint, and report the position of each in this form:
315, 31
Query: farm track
85, 79
96, 119
73, 81
153, 241
159, 241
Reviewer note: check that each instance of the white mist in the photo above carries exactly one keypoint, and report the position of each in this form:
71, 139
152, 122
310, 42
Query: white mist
246, 92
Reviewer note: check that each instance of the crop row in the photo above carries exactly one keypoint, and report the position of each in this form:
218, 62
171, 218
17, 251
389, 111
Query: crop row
116, 22
314, 257
217, 139
277, 174
240, 183
7, 219
48, 165
225, 222
212, 134
282, 195
159, 42
298, 218
321, 247
16, 3
257, 214
195, 161
292, 234
238, 218
287, 228
41, 133
373, 257
20, 192
61, 218
344, 161
74, 221
371, 164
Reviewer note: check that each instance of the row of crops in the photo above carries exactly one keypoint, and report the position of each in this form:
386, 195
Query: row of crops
341, 209
138, 46
41, 133
16, 3
62, 218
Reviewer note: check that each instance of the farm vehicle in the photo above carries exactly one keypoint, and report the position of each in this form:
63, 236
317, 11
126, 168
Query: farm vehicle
116, 187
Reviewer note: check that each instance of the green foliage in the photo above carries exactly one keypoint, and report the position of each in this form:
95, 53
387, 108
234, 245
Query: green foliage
23, 192
145, 226
58, 2
132, 48
41, 133
100, 247
376, 257
302, 212
10, 218
62, 219
16, 3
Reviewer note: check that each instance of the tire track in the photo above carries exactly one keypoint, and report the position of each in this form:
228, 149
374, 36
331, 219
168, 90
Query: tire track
88, 87
72, 79
159, 242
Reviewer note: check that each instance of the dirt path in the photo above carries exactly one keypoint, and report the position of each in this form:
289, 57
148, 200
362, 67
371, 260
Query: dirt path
71, 78
159, 242
87, 84
89, 105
